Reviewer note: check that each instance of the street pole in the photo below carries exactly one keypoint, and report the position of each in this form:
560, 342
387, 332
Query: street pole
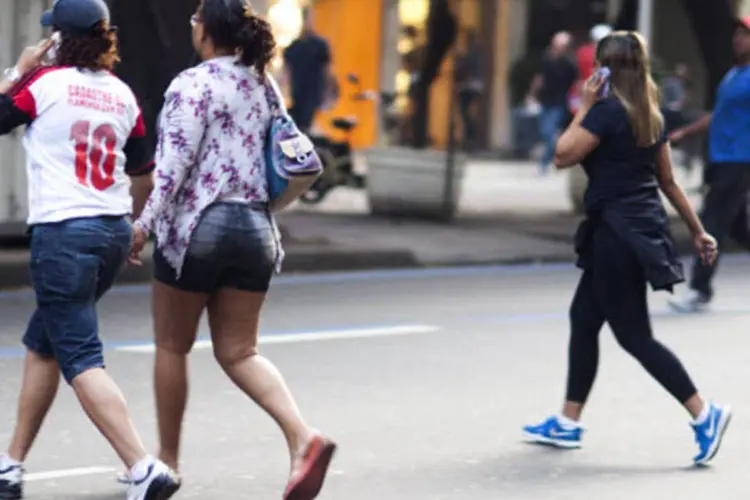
646, 18
450, 167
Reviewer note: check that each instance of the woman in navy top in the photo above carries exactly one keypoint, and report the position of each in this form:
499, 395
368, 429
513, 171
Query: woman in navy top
625, 243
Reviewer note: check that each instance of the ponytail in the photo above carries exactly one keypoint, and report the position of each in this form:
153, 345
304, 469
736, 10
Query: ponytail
256, 43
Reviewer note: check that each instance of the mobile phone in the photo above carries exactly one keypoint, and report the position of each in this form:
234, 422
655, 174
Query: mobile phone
52, 52
604, 74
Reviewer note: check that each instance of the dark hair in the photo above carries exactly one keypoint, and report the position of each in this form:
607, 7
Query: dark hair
95, 51
231, 24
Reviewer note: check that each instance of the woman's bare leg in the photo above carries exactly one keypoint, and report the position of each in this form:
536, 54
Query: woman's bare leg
41, 378
176, 317
234, 318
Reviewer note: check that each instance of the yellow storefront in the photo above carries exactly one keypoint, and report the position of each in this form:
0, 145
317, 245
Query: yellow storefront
355, 30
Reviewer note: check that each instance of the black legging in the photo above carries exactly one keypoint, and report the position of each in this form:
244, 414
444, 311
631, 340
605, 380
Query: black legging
613, 289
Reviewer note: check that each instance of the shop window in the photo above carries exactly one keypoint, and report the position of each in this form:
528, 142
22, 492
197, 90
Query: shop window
412, 41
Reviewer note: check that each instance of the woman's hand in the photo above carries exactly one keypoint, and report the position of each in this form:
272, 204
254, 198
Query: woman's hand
136, 246
32, 56
707, 248
592, 90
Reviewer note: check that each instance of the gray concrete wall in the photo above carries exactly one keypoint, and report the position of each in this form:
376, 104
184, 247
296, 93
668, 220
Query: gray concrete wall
19, 27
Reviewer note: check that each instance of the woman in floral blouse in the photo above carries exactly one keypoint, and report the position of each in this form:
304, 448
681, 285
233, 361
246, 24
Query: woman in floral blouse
217, 244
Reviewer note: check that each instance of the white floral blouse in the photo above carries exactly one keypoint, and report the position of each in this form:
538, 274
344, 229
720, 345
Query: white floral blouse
211, 137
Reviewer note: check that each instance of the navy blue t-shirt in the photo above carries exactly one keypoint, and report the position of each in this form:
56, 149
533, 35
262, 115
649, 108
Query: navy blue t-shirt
729, 136
623, 194
307, 59
619, 170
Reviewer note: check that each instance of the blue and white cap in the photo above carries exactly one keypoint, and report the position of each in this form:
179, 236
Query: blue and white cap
75, 16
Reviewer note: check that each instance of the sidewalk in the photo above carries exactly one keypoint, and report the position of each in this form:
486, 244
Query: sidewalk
508, 214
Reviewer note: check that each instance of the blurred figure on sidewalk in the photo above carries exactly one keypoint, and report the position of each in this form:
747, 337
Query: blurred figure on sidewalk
675, 97
470, 83
558, 75
728, 173
307, 65
526, 120
586, 59
411, 62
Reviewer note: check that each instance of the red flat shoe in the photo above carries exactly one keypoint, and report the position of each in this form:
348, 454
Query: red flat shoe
310, 470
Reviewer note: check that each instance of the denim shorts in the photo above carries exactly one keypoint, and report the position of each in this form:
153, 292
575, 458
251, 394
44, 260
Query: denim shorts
233, 246
73, 263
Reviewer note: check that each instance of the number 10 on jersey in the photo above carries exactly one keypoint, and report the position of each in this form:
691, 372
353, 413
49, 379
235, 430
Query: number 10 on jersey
95, 154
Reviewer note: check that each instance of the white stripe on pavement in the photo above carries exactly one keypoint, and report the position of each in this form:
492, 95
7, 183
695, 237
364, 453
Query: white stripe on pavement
65, 473
313, 336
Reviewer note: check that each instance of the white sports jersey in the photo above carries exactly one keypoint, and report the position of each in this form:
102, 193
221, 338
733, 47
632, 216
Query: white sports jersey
79, 123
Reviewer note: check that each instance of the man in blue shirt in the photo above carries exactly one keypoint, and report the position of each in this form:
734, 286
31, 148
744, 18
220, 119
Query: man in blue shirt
728, 175
307, 63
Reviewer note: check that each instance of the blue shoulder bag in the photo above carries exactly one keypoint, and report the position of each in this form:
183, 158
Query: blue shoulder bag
292, 165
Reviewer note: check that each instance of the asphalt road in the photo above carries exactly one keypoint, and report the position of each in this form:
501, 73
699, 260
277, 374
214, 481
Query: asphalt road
425, 378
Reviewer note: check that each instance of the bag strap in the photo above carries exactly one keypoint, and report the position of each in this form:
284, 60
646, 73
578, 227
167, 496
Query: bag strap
273, 95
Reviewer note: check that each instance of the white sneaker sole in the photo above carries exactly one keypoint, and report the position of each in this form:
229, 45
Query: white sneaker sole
682, 308
721, 428
557, 443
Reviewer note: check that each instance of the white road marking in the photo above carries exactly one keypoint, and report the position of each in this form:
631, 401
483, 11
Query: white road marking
314, 336
66, 473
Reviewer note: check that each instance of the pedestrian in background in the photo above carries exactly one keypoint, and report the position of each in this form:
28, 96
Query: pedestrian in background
558, 75
586, 60
625, 244
470, 82
676, 106
216, 241
674, 97
84, 139
728, 172
307, 64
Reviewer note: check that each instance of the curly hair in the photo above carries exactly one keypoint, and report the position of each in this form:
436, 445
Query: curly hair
233, 27
96, 50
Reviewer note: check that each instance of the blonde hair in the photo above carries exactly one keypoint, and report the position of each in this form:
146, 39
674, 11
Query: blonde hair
625, 53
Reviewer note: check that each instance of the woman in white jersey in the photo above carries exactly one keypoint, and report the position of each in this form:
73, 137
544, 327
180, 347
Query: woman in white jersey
217, 244
84, 138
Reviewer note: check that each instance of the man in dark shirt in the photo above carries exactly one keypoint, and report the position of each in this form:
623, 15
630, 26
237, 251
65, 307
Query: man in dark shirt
307, 64
559, 73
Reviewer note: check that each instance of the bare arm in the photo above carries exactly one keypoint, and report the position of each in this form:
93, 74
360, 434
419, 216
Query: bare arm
674, 192
140, 189
575, 143
5, 86
698, 126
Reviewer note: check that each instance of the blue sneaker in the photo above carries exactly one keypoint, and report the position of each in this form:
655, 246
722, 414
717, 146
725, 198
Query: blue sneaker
709, 434
553, 433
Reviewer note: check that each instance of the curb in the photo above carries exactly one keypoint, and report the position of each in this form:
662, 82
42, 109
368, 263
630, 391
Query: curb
14, 271
14, 274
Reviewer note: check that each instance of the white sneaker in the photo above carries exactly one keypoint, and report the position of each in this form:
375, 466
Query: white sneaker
11, 480
692, 301
159, 484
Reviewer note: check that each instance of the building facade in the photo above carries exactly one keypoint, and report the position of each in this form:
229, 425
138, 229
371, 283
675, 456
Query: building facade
372, 39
